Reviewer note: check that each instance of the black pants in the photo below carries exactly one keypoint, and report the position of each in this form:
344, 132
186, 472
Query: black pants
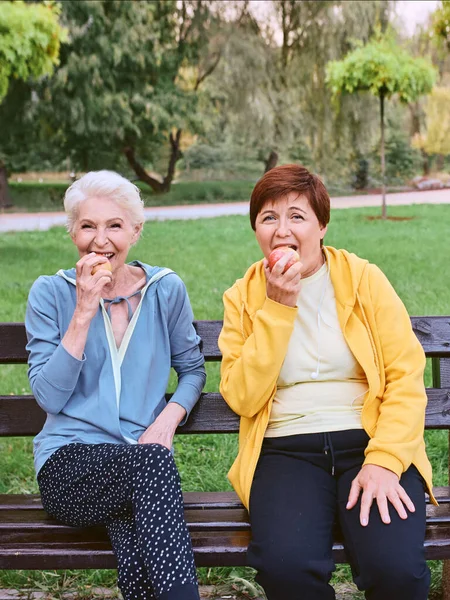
135, 491
300, 489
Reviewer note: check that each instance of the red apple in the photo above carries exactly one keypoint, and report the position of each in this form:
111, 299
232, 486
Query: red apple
276, 254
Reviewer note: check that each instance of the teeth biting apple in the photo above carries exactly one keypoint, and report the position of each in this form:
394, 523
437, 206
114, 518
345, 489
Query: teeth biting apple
102, 265
276, 254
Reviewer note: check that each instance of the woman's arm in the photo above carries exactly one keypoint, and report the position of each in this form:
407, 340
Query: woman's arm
251, 365
53, 372
162, 430
400, 425
401, 421
89, 288
186, 358
54, 364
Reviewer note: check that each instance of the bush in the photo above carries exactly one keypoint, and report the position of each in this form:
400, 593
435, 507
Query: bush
201, 156
38, 196
35, 197
402, 161
360, 179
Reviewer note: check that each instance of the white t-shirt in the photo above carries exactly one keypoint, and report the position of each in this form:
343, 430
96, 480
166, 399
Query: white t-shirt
321, 386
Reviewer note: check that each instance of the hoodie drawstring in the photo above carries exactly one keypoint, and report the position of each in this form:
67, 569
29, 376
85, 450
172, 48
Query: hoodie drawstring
119, 299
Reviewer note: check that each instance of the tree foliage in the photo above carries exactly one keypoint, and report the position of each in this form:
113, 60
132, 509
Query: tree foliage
139, 82
269, 93
382, 68
123, 89
30, 37
437, 113
441, 23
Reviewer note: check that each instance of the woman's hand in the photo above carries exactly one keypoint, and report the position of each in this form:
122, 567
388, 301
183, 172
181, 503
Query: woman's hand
89, 287
380, 484
283, 288
163, 428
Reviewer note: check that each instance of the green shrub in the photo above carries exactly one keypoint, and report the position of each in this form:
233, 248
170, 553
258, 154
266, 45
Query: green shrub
35, 197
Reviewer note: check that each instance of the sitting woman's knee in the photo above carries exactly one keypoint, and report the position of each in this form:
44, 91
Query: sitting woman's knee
289, 569
154, 453
155, 462
396, 579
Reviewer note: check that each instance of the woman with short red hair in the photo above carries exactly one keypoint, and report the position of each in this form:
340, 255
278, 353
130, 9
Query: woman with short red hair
322, 365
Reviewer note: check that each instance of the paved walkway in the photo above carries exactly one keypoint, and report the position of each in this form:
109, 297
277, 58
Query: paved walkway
43, 221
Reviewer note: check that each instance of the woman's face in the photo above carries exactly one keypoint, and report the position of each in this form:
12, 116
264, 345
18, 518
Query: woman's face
104, 227
290, 221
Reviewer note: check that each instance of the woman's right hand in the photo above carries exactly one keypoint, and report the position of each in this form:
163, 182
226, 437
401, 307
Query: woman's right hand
89, 287
283, 288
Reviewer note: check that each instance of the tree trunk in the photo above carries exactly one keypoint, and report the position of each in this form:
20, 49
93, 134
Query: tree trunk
440, 162
271, 161
157, 186
425, 162
5, 200
383, 165
175, 155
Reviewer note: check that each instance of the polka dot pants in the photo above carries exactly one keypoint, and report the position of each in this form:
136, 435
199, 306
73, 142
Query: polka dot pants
135, 492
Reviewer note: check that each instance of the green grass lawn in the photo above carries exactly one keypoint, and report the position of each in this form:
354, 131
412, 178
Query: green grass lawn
209, 255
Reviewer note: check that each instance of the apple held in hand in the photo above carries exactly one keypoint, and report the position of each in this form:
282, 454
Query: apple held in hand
103, 265
276, 254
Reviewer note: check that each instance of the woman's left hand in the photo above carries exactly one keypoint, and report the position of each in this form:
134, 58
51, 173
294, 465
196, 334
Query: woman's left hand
380, 484
163, 428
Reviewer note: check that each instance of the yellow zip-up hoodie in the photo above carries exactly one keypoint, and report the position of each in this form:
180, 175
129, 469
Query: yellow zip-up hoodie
377, 329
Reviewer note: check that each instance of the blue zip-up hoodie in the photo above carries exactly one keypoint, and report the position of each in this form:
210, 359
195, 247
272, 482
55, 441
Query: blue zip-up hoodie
113, 394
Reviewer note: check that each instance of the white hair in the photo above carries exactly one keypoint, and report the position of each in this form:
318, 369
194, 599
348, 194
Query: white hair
106, 184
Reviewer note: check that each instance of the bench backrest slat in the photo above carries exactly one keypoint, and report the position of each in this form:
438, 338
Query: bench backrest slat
13, 341
21, 416
432, 332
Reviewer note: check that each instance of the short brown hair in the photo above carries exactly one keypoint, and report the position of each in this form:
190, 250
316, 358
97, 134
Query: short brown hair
283, 180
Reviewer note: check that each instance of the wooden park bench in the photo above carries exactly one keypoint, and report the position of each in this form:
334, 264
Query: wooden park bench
219, 524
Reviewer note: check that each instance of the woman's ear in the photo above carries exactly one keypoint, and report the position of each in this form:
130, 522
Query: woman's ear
323, 231
137, 232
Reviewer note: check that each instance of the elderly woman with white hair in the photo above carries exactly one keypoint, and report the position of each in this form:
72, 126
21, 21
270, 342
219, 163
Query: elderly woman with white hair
102, 339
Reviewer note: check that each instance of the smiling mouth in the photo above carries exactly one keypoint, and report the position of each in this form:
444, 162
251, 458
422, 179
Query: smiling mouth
105, 254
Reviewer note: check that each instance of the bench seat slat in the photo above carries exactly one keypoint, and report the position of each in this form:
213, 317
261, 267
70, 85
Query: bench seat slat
210, 549
24, 525
17, 523
192, 500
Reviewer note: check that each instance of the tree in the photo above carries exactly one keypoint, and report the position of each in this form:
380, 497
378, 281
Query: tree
441, 23
268, 94
437, 113
30, 37
127, 84
382, 68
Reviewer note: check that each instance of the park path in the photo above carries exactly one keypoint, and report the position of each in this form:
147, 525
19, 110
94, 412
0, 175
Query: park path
43, 221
